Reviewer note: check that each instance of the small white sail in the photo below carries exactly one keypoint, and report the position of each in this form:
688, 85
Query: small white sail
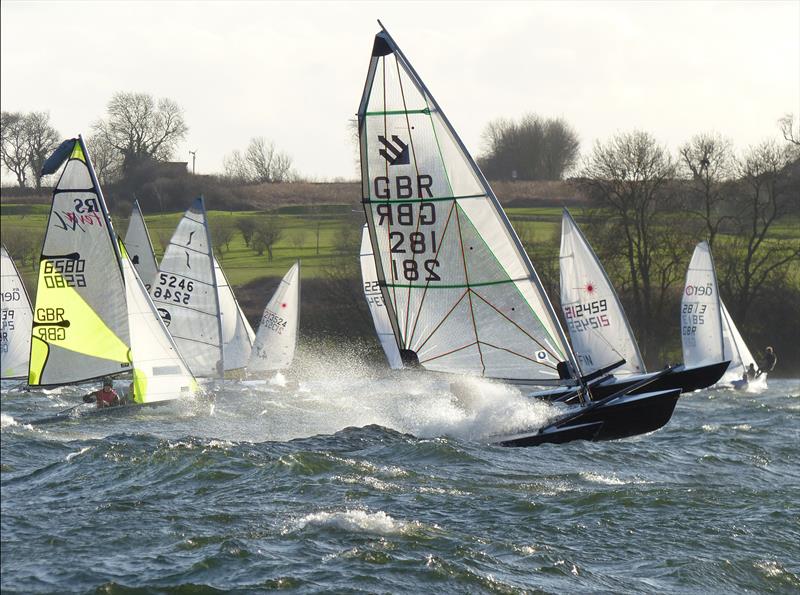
701, 320
237, 335
735, 349
185, 293
80, 326
461, 293
372, 293
159, 372
600, 332
15, 320
140, 248
276, 337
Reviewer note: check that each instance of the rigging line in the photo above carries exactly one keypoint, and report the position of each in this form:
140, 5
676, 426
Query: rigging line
436, 256
441, 322
407, 340
512, 352
452, 351
469, 292
532, 338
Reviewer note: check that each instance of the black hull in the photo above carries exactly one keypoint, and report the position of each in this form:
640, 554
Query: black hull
625, 416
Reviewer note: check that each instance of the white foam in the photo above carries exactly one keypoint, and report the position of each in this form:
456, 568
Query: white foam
7, 421
72, 455
356, 521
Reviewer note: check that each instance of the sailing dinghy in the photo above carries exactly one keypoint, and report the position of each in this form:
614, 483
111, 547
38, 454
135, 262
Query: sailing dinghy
276, 338
237, 334
15, 321
708, 333
461, 294
93, 317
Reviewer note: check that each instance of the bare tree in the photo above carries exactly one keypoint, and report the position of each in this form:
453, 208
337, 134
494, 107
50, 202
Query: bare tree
268, 232
14, 146
707, 161
536, 148
260, 163
106, 159
246, 225
141, 128
298, 239
630, 178
42, 139
222, 233
790, 131
754, 258
236, 168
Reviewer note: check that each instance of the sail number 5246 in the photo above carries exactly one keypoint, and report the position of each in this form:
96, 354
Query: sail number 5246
171, 288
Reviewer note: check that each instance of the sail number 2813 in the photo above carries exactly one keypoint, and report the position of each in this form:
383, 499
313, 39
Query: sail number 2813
404, 242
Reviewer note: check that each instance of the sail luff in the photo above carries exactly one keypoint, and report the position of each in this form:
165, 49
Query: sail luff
221, 370
140, 246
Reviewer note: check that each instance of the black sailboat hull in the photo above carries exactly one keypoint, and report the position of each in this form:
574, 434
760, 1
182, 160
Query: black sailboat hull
118, 411
625, 416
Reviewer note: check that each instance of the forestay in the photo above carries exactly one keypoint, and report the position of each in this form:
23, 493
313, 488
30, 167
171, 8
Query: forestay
237, 335
701, 321
140, 248
600, 332
15, 320
185, 293
159, 372
377, 308
80, 326
461, 293
276, 337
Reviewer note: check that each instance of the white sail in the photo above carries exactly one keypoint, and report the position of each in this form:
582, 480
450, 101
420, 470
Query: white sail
15, 320
237, 335
735, 348
276, 337
185, 293
600, 332
461, 293
701, 320
372, 293
140, 248
159, 372
80, 325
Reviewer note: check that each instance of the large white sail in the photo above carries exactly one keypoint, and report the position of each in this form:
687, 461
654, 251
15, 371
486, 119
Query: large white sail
276, 337
735, 348
185, 293
372, 293
600, 332
140, 248
80, 326
15, 320
159, 372
237, 335
461, 293
701, 320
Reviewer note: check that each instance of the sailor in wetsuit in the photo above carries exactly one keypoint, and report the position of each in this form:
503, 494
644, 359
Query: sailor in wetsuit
105, 397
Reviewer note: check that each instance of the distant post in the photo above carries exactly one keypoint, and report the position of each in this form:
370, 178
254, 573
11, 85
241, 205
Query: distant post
194, 156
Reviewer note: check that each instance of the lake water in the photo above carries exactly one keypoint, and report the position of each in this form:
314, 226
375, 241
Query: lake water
363, 481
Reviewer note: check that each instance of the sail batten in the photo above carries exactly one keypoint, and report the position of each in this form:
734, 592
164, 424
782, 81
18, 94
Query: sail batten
436, 225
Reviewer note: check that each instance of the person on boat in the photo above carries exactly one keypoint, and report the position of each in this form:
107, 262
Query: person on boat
105, 397
770, 359
751, 372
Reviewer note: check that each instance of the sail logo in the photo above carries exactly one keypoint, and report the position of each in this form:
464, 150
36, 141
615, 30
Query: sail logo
395, 154
71, 221
166, 317
707, 289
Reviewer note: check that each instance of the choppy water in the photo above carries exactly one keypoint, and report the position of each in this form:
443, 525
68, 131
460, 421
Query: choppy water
363, 481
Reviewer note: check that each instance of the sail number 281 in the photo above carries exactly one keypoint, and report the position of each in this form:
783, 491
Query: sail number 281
410, 242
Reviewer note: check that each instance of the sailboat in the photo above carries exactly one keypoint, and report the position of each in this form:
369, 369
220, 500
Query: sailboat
140, 248
237, 334
185, 293
708, 333
276, 338
461, 293
15, 320
600, 332
93, 317
372, 293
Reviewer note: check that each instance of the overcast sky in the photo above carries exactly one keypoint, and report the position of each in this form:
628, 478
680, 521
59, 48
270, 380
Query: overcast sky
294, 72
